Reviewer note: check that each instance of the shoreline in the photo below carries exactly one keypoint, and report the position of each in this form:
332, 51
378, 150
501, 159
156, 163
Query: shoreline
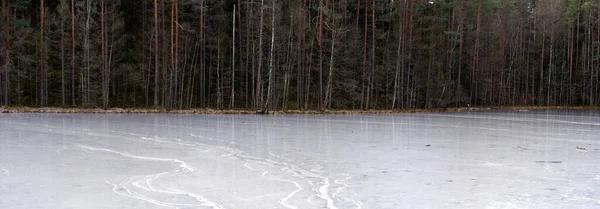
59, 110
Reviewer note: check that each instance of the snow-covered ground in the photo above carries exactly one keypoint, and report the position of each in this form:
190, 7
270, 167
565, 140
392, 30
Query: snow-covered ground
535, 159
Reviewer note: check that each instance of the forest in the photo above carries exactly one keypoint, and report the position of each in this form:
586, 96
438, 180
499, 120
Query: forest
299, 54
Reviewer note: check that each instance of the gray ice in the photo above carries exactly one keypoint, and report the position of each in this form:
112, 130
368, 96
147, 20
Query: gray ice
506, 159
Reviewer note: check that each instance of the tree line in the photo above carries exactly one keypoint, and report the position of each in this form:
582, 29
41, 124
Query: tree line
299, 54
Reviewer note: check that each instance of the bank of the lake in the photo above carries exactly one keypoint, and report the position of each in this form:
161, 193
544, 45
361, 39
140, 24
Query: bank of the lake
276, 112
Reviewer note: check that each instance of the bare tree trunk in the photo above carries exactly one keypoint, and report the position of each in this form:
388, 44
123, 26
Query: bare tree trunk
320, 35
249, 72
541, 91
501, 61
576, 39
407, 37
266, 104
42, 69
357, 13
310, 61
450, 46
170, 96
62, 62
373, 37
398, 63
175, 101
258, 93
410, 86
7, 61
86, 46
598, 62
331, 62
156, 53
570, 43
300, 67
364, 105
429, 63
219, 89
232, 105
240, 58
329, 89
287, 69
102, 63
589, 51
460, 58
109, 60
202, 83
550, 69
73, 89
475, 53
4, 60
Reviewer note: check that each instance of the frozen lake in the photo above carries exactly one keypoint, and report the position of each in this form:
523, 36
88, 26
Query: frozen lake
535, 159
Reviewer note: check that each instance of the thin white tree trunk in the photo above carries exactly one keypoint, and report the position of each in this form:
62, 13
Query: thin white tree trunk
86, 45
266, 104
258, 93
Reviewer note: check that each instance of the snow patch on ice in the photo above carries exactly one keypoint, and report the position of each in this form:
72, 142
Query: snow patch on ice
61, 149
497, 204
5, 172
580, 195
490, 164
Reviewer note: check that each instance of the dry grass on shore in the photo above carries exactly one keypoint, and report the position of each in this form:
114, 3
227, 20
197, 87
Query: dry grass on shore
248, 111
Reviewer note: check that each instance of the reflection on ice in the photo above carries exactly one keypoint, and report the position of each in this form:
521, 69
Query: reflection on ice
534, 159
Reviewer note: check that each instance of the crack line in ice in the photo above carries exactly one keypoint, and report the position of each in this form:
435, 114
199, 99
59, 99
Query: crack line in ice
279, 156
284, 200
324, 194
322, 190
121, 189
183, 165
309, 200
342, 182
247, 165
145, 183
118, 189
204, 202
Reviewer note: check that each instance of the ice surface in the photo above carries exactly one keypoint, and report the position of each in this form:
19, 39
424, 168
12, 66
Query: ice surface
535, 159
